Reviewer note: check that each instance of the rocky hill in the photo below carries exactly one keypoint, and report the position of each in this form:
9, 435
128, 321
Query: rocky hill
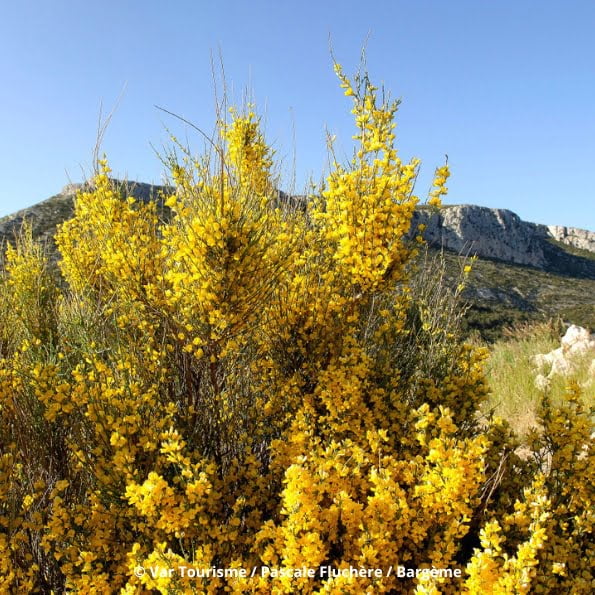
524, 270
502, 235
45, 216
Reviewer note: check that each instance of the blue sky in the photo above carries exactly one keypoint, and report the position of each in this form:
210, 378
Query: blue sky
506, 88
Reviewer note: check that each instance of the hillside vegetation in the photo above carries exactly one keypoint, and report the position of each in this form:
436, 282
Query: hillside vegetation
248, 397
501, 295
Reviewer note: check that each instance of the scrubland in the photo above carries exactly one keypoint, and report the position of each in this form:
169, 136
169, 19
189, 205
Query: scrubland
280, 400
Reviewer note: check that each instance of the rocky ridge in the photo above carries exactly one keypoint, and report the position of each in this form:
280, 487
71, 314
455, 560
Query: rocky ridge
524, 270
572, 236
497, 234
502, 235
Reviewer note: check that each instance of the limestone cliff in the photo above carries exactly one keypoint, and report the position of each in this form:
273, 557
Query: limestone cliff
571, 236
502, 235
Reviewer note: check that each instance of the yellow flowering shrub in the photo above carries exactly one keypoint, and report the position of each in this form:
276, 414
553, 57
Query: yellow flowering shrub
229, 395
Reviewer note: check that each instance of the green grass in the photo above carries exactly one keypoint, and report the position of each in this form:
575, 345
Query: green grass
573, 250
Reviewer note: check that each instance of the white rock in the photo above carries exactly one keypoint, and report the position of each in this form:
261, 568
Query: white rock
541, 382
579, 238
561, 365
576, 341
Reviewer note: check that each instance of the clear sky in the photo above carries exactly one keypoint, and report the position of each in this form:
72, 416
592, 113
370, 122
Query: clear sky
506, 88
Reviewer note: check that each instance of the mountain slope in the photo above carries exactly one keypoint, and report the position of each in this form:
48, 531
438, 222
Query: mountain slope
524, 271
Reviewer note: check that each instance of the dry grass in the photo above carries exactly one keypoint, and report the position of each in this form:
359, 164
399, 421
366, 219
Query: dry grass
511, 374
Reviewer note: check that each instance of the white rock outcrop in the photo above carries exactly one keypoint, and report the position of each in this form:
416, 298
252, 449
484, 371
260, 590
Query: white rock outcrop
572, 236
497, 233
576, 342
492, 233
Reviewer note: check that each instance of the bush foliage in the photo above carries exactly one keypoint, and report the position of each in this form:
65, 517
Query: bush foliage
249, 385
